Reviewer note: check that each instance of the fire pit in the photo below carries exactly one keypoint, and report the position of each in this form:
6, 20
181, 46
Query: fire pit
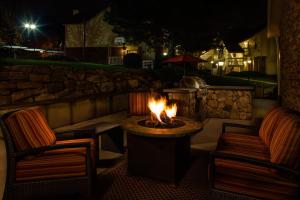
159, 145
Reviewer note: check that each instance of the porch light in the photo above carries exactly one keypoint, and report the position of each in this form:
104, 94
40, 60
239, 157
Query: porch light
249, 61
221, 63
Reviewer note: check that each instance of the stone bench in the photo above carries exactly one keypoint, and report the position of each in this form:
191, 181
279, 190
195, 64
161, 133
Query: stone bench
107, 129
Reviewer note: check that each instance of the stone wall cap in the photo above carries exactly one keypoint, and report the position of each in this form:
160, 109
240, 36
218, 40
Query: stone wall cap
180, 90
231, 87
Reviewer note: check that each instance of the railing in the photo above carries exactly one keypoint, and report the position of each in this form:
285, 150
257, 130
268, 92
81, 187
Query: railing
115, 60
148, 64
267, 91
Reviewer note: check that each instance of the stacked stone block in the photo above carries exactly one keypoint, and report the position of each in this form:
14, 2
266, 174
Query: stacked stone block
229, 104
37, 84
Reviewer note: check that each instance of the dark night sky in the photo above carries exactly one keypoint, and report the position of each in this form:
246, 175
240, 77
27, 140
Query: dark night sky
49, 11
50, 15
228, 16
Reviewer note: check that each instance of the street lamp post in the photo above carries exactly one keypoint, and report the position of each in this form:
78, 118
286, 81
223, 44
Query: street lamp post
29, 27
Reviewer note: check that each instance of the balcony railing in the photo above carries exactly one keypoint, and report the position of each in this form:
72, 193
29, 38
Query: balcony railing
115, 60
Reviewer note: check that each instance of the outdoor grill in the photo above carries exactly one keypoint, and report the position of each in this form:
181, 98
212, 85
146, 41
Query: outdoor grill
194, 82
191, 97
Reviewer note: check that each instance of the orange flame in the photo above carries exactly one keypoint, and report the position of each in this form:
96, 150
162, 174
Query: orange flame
157, 107
171, 111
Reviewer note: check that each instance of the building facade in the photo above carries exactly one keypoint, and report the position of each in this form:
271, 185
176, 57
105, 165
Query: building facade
94, 40
257, 53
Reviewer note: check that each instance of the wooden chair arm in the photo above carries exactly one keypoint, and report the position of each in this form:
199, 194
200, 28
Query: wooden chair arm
76, 134
263, 163
217, 154
250, 127
35, 151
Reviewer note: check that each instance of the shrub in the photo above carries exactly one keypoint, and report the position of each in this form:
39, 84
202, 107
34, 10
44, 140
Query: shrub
60, 58
171, 73
133, 60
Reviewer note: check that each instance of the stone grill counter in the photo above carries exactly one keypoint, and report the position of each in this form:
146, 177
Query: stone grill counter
186, 100
191, 97
229, 102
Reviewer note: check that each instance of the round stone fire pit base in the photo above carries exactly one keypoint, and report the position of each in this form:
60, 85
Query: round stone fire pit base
159, 153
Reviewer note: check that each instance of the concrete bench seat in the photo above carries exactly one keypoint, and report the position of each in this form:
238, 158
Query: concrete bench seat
108, 122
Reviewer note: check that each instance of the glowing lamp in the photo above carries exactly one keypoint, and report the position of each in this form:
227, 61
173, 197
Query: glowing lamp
32, 26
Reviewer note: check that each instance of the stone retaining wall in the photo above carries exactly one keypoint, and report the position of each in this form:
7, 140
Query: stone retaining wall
229, 102
26, 85
290, 55
21, 85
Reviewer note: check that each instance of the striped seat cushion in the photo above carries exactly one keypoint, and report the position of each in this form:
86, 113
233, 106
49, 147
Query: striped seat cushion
54, 164
285, 144
242, 140
29, 129
252, 180
92, 147
243, 145
269, 124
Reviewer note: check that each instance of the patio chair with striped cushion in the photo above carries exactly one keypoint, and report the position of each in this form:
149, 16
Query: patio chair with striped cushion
261, 166
39, 164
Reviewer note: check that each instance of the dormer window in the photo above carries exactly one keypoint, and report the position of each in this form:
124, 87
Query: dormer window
75, 12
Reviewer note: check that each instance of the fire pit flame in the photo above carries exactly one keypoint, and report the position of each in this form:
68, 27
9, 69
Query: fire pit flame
157, 107
171, 111
161, 113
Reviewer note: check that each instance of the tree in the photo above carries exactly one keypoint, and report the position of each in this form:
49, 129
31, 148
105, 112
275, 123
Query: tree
138, 29
193, 24
9, 32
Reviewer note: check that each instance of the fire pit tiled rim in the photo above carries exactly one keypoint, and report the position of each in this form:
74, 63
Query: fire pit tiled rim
191, 127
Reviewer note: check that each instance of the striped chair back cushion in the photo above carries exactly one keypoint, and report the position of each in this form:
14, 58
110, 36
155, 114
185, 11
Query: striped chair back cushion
138, 103
269, 124
29, 129
285, 144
